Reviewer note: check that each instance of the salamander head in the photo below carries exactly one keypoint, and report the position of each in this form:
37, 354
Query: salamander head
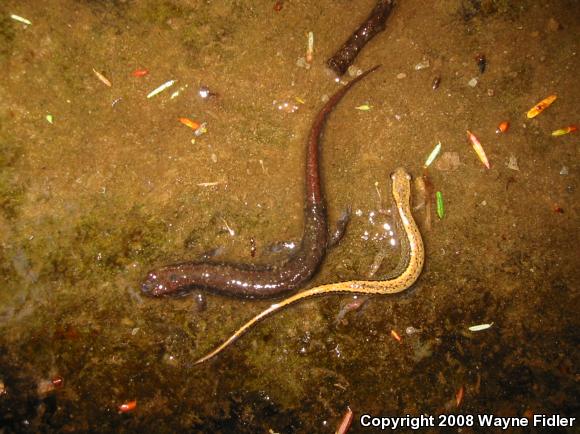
401, 186
153, 286
161, 282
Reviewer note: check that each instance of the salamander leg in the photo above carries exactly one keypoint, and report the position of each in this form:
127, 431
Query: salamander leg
212, 253
283, 246
341, 225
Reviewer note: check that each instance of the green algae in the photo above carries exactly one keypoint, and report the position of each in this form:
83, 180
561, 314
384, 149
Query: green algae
97, 247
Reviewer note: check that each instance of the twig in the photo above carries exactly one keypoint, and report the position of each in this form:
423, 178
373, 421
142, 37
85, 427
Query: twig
375, 23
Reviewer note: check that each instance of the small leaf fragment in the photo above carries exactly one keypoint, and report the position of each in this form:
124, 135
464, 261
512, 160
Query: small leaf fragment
480, 327
440, 206
434, 153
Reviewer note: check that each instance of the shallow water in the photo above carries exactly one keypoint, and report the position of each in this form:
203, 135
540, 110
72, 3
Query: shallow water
89, 203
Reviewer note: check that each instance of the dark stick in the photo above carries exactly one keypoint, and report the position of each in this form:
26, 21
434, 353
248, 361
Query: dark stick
374, 24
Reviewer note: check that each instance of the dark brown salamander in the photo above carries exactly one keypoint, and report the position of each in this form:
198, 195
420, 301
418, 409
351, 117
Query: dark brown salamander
249, 281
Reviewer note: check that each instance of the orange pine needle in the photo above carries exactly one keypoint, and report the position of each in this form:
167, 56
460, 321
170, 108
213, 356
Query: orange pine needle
395, 335
478, 149
345, 422
459, 395
57, 381
140, 73
189, 123
128, 406
503, 127
541, 106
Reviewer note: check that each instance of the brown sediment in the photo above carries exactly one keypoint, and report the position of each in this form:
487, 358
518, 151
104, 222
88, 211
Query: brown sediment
375, 23
250, 281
